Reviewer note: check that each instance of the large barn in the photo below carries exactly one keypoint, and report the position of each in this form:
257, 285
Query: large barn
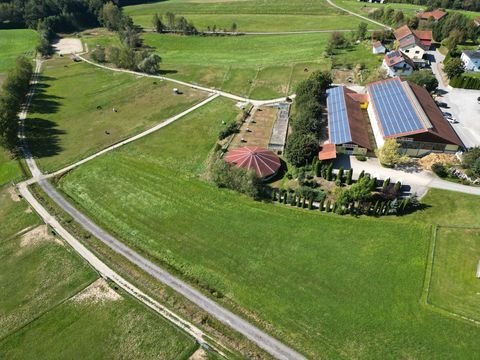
405, 111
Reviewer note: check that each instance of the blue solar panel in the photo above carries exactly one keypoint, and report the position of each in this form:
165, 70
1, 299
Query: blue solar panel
395, 111
339, 128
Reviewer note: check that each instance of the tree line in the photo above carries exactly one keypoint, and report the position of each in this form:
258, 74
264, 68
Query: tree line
12, 96
471, 5
302, 145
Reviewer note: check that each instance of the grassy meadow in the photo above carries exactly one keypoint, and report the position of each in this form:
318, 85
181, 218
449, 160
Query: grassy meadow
14, 43
250, 15
72, 112
311, 279
259, 67
9, 169
454, 285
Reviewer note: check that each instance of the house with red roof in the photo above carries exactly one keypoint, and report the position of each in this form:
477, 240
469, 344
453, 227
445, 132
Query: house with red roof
436, 15
413, 43
398, 64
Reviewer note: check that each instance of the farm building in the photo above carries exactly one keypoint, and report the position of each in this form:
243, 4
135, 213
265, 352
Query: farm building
471, 59
413, 43
405, 111
347, 128
398, 64
378, 48
436, 15
264, 162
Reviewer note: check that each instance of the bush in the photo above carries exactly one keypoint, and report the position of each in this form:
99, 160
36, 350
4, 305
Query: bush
340, 175
230, 129
98, 55
228, 176
329, 172
361, 157
301, 148
440, 170
349, 176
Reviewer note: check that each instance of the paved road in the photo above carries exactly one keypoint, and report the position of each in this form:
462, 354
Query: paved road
359, 16
248, 33
262, 339
190, 85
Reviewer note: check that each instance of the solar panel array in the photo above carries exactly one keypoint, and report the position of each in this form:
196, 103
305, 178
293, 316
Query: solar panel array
395, 110
339, 128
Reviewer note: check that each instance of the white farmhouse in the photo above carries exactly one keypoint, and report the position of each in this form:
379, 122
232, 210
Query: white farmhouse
471, 59
398, 64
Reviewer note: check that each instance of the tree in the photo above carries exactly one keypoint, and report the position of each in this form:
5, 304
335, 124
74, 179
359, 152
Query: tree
158, 25
98, 54
150, 64
362, 31
233, 28
471, 160
301, 148
389, 154
349, 176
225, 175
454, 67
111, 16
424, 78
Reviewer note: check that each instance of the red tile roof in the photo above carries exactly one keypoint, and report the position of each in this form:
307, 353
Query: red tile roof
402, 32
327, 152
436, 14
264, 162
358, 128
397, 57
407, 37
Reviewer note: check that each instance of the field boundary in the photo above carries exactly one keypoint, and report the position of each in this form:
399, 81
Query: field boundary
429, 274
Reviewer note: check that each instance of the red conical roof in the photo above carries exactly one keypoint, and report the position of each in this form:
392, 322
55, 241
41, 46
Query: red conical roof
264, 162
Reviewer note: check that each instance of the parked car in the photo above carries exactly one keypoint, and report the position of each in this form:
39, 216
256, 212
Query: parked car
442, 104
447, 114
478, 100
452, 120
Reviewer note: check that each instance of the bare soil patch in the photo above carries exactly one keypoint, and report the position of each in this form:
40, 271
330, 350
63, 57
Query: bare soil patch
68, 46
36, 236
256, 131
200, 354
427, 161
13, 194
98, 292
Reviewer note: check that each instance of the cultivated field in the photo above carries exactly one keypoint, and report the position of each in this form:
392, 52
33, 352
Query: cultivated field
48, 305
14, 43
250, 16
72, 112
312, 280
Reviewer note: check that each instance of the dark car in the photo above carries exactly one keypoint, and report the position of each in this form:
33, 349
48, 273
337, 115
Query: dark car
478, 100
442, 105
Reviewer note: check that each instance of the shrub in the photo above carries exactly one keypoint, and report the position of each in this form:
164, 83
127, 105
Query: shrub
228, 176
321, 205
318, 168
398, 186
338, 182
230, 129
98, 55
329, 172
440, 170
386, 184
340, 175
349, 176
327, 206
361, 157
362, 174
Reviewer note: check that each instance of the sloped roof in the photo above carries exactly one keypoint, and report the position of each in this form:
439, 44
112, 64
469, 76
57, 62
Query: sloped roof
402, 32
472, 54
440, 126
437, 14
327, 152
397, 57
377, 44
264, 162
407, 37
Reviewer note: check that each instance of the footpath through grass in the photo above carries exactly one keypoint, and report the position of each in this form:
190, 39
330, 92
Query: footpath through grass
330, 286
80, 109
250, 15
14, 43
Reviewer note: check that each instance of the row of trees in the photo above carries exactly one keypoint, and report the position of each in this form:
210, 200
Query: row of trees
455, 29
12, 96
172, 22
471, 5
302, 144
393, 17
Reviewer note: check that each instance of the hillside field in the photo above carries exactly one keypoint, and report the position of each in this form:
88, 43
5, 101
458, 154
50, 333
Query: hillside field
249, 16
311, 279
14, 43
65, 126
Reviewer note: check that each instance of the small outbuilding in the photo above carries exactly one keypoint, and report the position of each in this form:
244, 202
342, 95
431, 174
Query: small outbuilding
378, 48
264, 162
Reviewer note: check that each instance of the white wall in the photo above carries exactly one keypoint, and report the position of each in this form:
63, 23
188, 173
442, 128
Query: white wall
375, 125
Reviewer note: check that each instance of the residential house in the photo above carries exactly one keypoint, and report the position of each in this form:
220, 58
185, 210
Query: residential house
414, 43
436, 15
378, 48
471, 59
398, 64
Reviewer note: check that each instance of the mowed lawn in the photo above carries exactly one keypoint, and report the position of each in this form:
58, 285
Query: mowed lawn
330, 286
454, 285
249, 16
72, 114
14, 43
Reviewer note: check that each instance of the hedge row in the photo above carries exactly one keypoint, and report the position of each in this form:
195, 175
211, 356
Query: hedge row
465, 82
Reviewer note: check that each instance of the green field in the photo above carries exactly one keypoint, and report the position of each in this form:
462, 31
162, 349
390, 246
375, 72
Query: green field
313, 280
72, 112
9, 169
454, 285
257, 15
259, 67
42, 313
14, 43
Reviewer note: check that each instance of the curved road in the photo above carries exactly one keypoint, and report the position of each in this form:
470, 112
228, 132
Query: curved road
257, 336
358, 15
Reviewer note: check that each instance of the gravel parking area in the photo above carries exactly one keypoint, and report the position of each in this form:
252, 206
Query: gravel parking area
68, 46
